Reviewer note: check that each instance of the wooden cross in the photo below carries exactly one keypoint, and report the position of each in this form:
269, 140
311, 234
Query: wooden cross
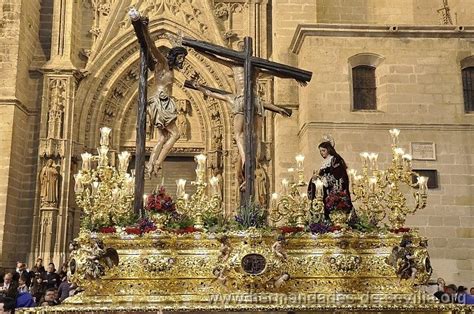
250, 64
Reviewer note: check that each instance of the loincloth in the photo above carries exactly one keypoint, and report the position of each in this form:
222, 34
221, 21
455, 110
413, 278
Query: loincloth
239, 105
162, 112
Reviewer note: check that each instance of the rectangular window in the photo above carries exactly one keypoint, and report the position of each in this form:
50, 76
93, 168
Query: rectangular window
468, 88
364, 89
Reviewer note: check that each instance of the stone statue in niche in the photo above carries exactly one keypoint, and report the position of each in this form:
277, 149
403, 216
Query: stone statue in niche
49, 180
181, 120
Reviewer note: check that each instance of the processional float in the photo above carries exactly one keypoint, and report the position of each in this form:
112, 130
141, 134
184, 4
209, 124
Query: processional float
182, 254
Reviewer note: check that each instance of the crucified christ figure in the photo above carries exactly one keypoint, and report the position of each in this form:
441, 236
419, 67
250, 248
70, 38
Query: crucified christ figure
236, 103
161, 108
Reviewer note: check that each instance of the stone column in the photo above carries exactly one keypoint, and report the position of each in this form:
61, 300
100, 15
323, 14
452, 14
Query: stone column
54, 209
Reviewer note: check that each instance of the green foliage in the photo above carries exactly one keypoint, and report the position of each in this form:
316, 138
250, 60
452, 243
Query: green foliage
177, 221
363, 224
251, 215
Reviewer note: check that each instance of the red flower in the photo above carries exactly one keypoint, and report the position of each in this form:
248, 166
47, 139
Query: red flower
288, 229
107, 230
184, 230
133, 230
334, 228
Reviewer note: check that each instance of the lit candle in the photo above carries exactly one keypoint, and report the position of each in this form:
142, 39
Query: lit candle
407, 161
319, 188
422, 184
299, 162
104, 136
372, 184
214, 182
78, 187
201, 161
291, 174
95, 187
284, 186
373, 161
145, 197
274, 200
86, 161
103, 160
186, 196
115, 194
352, 173
398, 153
365, 158
358, 178
394, 134
129, 183
303, 196
180, 187
124, 158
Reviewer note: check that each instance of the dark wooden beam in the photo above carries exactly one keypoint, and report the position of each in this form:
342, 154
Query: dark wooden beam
141, 28
270, 67
250, 148
189, 84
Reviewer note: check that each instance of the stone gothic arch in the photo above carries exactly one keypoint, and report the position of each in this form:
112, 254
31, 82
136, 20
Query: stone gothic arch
107, 96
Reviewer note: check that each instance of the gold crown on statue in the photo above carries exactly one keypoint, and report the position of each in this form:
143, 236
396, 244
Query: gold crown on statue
328, 138
175, 40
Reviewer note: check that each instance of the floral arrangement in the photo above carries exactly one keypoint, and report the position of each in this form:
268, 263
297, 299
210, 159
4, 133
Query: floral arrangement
339, 201
160, 202
146, 225
320, 228
251, 215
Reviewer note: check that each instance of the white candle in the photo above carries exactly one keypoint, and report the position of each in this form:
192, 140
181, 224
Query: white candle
214, 182
319, 188
422, 183
407, 161
86, 161
373, 160
180, 187
398, 153
299, 162
186, 196
352, 173
284, 186
145, 197
103, 160
95, 187
104, 136
115, 194
124, 158
372, 184
394, 134
201, 161
364, 157
274, 200
78, 186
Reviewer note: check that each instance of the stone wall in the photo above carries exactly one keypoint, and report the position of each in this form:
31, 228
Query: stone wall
18, 102
420, 92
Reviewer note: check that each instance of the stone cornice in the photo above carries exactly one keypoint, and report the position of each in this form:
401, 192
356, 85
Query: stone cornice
18, 104
385, 126
365, 30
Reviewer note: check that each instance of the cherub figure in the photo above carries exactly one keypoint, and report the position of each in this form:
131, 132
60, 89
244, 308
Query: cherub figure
281, 280
403, 260
278, 248
225, 249
219, 273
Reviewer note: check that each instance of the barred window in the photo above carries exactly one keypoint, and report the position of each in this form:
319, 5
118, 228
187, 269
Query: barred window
468, 88
363, 84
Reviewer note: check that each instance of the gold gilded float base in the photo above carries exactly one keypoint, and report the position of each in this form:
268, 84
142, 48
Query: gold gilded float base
247, 271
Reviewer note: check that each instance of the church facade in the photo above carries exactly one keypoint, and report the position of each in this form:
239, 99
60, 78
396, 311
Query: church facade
71, 67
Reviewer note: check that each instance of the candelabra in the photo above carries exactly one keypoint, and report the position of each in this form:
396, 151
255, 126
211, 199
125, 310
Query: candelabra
104, 193
380, 190
292, 205
200, 203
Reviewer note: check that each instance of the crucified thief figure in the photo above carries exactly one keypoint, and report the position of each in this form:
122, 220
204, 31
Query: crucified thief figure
161, 109
237, 105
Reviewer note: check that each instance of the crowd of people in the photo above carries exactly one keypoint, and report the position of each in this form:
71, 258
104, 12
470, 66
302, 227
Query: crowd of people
452, 293
39, 286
